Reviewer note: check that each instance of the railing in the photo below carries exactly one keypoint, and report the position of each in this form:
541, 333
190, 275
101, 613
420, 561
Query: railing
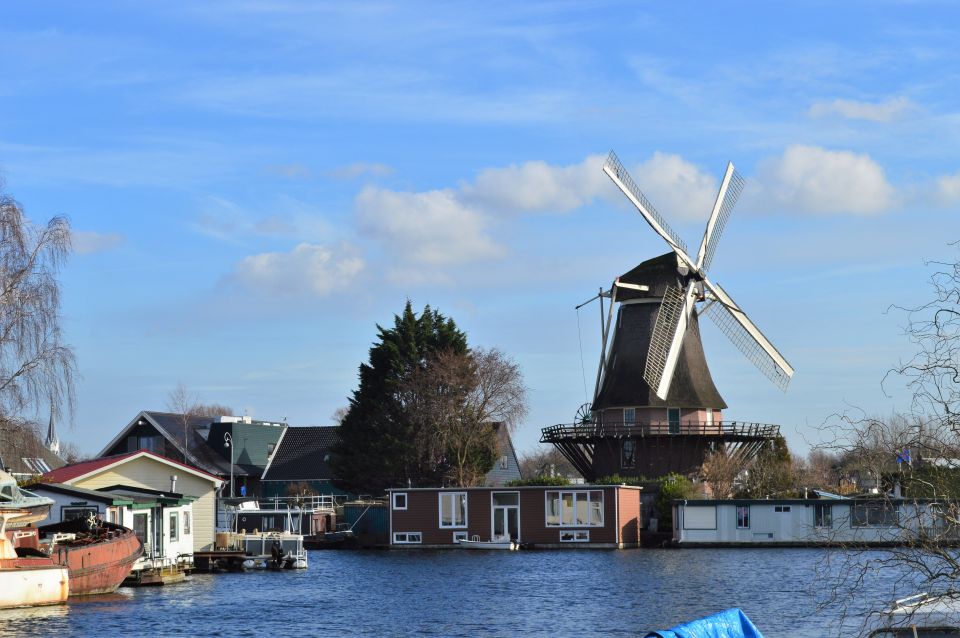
281, 503
589, 430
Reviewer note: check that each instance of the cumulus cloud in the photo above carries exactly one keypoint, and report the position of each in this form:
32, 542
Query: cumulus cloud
810, 179
431, 227
886, 111
676, 187
227, 221
538, 187
311, 269
948, 188
87, 242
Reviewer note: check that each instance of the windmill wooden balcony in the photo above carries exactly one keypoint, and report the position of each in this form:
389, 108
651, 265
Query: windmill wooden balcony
655, 448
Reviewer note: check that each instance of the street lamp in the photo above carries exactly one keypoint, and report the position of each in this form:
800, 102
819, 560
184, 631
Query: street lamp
227, 442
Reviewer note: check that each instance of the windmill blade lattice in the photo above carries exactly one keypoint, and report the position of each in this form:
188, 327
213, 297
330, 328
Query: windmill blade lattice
613, 165
747, 344
668, 318
726, 207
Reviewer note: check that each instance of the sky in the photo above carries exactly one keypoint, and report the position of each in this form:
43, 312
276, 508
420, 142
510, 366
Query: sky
253, 186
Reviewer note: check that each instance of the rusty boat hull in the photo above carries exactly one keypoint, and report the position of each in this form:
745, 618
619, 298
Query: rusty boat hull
98, 560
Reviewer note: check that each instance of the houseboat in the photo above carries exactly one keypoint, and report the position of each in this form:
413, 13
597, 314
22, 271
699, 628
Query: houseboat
827, 520
269, 533
599, 516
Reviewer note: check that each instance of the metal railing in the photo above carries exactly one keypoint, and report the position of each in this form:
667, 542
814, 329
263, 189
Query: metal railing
591, 430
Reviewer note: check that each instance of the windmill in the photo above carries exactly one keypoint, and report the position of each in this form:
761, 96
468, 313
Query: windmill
655, 404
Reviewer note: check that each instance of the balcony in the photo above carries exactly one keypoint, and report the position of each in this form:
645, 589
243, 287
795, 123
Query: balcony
728, 430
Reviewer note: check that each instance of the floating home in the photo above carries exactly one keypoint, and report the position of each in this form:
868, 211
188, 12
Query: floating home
594, 516
875, 521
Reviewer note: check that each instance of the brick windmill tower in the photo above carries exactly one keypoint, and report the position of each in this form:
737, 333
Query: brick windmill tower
655, 408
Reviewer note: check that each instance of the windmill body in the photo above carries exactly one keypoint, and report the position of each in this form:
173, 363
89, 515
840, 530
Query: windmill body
656, 408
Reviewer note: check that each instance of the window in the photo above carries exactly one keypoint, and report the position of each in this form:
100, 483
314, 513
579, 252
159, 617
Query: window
73, 513
37, 466
743, 517
174, 526
781, 508
140, 527
575, 508
873, 515
459, 536
673, 419
407, 538
399, 500
186, 523
575, 536
453, 509
503, 462
629, 416
823, 515
505, 498
628, 453
709, 416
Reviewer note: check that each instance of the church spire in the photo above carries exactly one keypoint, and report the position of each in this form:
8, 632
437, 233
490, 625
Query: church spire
52, 442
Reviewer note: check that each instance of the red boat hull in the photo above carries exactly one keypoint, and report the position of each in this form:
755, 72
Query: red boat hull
98, 561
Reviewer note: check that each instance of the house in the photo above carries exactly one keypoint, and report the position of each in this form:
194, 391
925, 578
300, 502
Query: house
22, 454
827, 520
161, 477
236, 447
506, 468
302, 459
595, 516
163, 521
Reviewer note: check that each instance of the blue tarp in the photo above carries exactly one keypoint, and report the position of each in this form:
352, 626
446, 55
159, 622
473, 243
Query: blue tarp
732, 623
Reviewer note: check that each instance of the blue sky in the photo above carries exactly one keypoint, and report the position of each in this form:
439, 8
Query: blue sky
254, 185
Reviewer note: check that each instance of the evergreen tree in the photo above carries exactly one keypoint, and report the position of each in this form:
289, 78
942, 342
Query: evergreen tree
378, 443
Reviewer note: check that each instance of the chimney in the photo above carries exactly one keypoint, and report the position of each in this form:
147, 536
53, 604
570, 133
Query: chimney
173, 483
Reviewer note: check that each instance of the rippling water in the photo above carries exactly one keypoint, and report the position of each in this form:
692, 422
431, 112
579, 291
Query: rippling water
461, 593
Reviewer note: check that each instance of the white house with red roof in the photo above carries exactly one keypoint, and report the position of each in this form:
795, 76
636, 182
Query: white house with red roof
146, 470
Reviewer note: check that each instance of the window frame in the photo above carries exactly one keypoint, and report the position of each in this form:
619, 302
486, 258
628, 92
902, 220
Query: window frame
626, 462
576, 536
461, 535
186, 524
173, 527
782, 509
823, 515
406, 501
633, 416
740, 520
406, 540
670, 422
456, 496
84, 510
573, 522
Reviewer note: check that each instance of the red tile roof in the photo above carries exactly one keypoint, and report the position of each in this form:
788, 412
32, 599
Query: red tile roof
68, 473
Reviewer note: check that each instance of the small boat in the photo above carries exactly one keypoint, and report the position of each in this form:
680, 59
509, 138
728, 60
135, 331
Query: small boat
99, 554
28, 507
497, 542
26, 581
920, 616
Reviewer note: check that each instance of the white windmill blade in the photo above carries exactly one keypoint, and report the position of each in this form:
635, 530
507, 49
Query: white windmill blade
615, 171
734, 322
667, 338
730, 189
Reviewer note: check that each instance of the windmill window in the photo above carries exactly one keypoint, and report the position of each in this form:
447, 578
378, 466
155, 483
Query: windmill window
709, 416
673, 420
629, 416
628, 456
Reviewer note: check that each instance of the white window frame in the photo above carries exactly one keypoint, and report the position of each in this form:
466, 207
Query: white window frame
736, 513
575, 536
709, 416
406, 500
456, 497
460, 536
632, 419
173, 525
186, 524
590, 507
409, 538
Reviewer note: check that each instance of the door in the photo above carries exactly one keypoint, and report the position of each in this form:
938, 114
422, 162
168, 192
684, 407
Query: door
673, 419
505, 515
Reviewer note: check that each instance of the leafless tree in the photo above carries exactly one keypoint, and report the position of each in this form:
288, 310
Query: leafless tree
213, 409
456, 403
36, 366
720, 471
546, 460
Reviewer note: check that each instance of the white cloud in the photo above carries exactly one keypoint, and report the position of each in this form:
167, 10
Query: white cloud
810, 179
948, 188
310, 269
538, 187
359, 169
431, 228
87, 242
227, 221
677, 188
886, 111
293, 170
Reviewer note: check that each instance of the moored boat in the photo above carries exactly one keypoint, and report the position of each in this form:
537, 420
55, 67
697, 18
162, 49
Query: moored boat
28, 580
497, 542
98, 554
28, 507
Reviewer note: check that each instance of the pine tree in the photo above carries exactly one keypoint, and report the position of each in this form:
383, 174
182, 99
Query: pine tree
377, 437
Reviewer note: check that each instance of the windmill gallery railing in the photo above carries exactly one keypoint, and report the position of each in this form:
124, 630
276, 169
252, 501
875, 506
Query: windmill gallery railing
620, 429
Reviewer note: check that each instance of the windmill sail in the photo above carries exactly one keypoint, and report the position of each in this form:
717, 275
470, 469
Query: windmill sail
730, 189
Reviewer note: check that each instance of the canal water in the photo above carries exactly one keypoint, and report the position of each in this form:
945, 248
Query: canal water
463, 593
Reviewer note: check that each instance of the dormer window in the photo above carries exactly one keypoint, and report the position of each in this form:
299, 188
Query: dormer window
629, 416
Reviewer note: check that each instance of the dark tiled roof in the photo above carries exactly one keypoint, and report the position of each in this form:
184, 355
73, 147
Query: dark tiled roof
303, 455
19, 445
